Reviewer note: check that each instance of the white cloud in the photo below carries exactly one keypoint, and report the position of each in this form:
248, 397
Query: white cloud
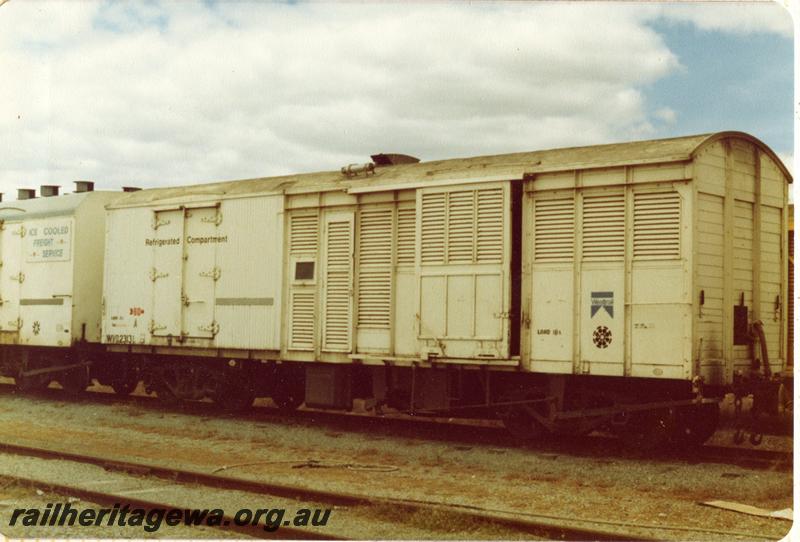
155, 94
666, 115
757, 16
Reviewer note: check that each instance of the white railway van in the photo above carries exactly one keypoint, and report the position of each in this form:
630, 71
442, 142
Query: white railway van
562, 289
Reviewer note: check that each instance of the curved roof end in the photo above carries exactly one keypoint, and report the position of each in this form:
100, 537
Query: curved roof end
752, 139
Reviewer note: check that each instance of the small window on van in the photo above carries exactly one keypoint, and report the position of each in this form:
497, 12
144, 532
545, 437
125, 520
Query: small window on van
304, 271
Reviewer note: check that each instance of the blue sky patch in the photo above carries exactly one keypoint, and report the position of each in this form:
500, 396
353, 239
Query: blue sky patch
730, 81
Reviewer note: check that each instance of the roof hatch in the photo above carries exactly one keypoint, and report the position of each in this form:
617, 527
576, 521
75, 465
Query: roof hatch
393, 159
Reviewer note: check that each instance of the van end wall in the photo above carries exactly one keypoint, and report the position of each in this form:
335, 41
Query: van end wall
89, 243
739, 243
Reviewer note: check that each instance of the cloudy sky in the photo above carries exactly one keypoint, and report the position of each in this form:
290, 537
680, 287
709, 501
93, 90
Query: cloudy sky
166, 93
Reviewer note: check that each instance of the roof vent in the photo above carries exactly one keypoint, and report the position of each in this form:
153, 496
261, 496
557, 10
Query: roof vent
25, 193
48, 190
393, 159
130, 188
353, 170
84, 186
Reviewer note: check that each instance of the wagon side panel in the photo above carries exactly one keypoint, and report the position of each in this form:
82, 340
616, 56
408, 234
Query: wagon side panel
248, 271
128, 282
609, 256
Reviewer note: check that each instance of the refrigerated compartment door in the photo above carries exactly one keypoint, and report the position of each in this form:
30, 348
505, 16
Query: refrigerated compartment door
166, 272
200, 272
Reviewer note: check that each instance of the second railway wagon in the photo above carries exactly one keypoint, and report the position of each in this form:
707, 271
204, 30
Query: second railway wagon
565, 289
51, 267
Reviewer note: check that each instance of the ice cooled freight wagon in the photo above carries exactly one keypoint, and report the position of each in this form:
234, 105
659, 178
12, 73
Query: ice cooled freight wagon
51, 272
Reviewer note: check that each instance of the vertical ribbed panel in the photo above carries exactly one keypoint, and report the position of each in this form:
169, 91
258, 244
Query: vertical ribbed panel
375, 237
338, 244
433, 226
303, 239
406, 234
461, 226
490, 226
742, 269
770, 278
554, 229
604, 227
375, 260
656, 225
303, 233
303, 316
374, 298
710, 272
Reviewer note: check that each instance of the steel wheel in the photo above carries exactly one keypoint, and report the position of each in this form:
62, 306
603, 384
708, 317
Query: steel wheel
646, 431
124, 387
694, 425
232, 393
520, 420
288, 388
165, 384
30, 383
235, 399
75, 381
286, 398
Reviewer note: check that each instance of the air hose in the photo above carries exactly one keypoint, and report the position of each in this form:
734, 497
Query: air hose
758, 329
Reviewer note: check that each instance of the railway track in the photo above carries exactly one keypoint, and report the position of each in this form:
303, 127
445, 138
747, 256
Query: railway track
510, 523
460, 433
745, 457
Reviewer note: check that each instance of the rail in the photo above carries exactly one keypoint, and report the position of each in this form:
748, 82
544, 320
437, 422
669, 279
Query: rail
539, 525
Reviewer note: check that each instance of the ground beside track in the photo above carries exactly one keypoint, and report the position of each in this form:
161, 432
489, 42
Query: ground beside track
14, 494
624, 489
358, 522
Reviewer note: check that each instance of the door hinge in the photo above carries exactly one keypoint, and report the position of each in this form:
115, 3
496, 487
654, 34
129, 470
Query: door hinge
155, 275
502, 315
216, 219
214, 273
158, 223
19, 277
186, 301
15, 324
153, 327
213, 328
21, 231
